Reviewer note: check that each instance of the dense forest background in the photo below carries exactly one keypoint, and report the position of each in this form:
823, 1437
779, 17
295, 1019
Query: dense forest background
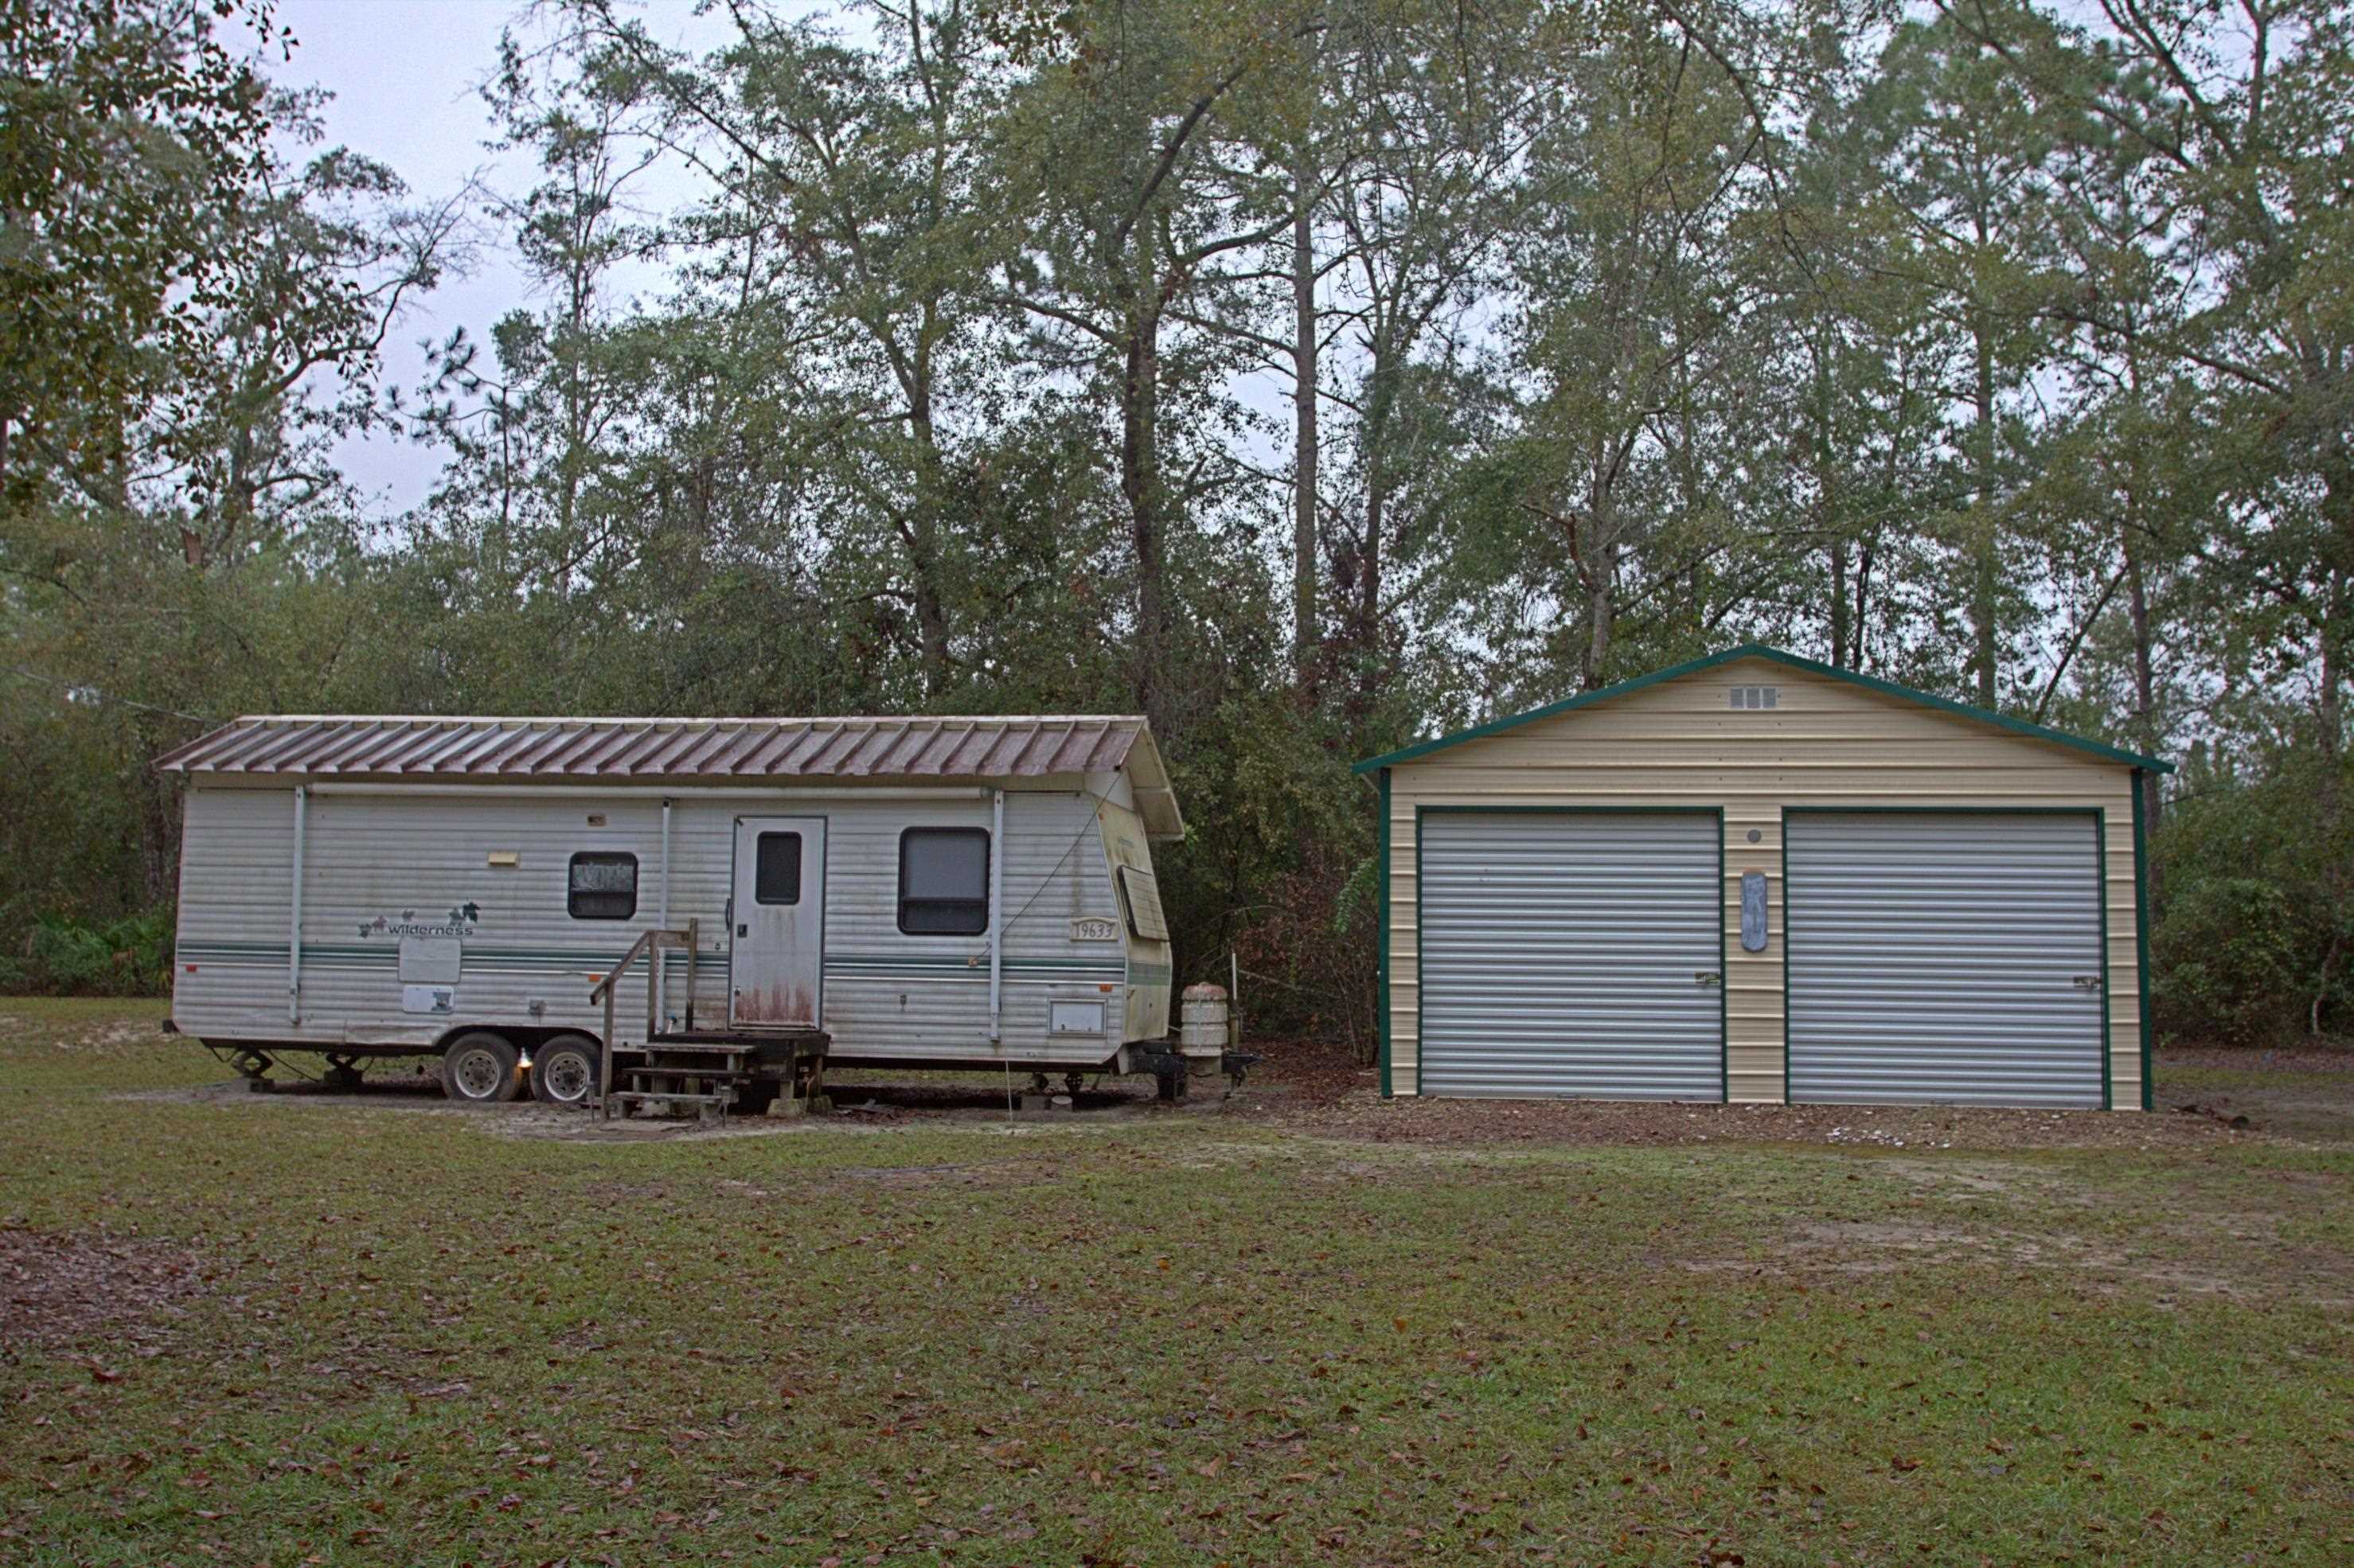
1306, 376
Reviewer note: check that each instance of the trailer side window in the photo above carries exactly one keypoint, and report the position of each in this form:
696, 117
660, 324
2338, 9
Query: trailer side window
777, 869
944, 882
601, 886
1140, 896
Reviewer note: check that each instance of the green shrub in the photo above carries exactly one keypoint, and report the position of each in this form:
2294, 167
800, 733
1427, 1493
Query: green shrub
2252, 863
64, 956
2224, 961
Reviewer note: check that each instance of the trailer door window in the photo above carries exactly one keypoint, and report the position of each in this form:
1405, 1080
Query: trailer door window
601, 886
944, 882
777, 869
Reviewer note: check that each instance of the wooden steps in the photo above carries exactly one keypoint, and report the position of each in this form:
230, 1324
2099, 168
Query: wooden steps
710, 1069
708, 1108
714, 1071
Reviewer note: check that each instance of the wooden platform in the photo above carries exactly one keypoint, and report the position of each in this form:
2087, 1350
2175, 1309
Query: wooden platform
713, 1070
766, 1042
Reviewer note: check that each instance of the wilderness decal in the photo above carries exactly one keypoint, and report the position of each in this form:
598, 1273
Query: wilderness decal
459, 921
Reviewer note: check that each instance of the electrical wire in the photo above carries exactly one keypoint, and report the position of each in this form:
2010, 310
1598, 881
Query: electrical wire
1070, 849
96, 695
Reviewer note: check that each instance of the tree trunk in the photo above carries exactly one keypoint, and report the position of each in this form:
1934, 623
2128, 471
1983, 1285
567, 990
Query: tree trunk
2337, 510
2144, 681
2330, 717
931, 616
1600, 582
1985, 538
1364, 642
2321, 988
1599, 558
1839, 612
1304, 440
1139, 485
1598, 611
1827, 511
923, 539
159, 823
1863, 612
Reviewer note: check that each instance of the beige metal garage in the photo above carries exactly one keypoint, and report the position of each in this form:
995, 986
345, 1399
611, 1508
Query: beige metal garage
1755, 877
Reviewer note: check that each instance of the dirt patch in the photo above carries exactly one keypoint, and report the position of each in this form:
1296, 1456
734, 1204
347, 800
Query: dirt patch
1363, 1115
993, 1173
389, 1093
1865, 1247
524, 1117
2306, 1093
2315, 1056
866, 1107
1320, 1087
60, 1291
1310, 1072
1320, 1090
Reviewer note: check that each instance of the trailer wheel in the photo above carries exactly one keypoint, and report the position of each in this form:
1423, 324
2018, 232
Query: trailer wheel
479, 1068
564, 1071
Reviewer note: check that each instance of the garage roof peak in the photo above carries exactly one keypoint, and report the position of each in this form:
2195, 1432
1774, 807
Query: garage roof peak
1778, 656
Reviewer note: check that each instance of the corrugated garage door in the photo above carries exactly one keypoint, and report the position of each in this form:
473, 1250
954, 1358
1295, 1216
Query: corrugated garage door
1573, 954
1944, 958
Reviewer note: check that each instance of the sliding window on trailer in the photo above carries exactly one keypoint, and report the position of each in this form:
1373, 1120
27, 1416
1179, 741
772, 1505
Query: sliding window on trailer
944, 882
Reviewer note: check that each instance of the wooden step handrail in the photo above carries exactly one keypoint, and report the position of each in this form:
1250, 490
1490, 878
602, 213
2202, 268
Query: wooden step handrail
650, 943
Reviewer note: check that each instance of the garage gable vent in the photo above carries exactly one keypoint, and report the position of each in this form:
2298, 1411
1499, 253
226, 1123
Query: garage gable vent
1756, 696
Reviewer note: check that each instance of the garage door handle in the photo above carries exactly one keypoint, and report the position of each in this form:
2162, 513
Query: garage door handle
2088, 983
1707, 977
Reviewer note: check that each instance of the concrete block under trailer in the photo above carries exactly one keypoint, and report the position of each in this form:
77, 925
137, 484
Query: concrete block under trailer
931, 927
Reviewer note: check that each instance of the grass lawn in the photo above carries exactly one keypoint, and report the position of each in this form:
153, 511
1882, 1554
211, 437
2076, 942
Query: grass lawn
245, 1329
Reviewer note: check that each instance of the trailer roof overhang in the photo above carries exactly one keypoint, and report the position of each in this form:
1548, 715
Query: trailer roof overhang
851, 751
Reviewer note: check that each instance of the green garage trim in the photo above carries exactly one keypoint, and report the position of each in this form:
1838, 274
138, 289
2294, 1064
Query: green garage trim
1383, 1021
1778, 656
2141, 932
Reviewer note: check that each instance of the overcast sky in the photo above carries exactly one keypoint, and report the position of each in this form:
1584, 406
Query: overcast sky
405, 76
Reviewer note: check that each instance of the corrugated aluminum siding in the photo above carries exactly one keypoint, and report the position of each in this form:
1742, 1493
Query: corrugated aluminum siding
1562, 953
1944, 958
372, 858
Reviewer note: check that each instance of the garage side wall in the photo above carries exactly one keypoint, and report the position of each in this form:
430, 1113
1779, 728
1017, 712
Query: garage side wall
1824, 743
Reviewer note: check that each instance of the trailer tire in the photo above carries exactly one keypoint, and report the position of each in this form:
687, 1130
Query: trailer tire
564, 1071
479, 1069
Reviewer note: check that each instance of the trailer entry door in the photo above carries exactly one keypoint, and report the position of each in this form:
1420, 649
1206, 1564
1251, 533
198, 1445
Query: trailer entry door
778, 931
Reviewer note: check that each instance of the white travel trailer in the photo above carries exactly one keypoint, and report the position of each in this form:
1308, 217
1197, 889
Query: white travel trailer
916, 891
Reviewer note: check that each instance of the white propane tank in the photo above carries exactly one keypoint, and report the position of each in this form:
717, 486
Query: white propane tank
1202, 1030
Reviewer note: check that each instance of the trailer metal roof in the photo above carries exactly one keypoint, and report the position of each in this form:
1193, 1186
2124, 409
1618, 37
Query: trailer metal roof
652, 750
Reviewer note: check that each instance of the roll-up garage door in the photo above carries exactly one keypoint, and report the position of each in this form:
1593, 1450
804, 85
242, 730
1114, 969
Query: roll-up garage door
1572, 953
1944, 958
